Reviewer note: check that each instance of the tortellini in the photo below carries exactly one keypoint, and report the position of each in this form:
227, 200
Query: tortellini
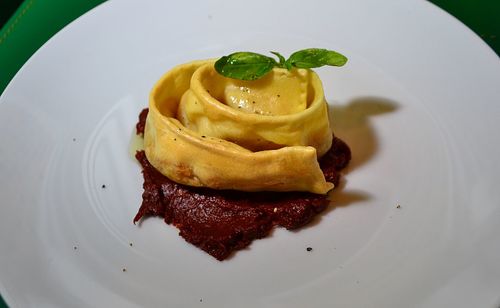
206, 130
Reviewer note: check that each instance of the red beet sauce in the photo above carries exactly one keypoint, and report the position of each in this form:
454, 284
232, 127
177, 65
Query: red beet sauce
223, 221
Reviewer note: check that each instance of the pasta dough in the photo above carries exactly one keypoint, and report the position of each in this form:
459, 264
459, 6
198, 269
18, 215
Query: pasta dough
207, 130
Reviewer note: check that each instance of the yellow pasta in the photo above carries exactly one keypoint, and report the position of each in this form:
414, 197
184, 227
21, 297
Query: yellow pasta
207, 130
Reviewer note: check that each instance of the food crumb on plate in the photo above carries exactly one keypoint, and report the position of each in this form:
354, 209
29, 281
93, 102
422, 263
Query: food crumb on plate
309, 249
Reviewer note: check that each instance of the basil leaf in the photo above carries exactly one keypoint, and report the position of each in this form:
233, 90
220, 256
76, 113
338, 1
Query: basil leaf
282, 63
316, 57
245, 65
251, 66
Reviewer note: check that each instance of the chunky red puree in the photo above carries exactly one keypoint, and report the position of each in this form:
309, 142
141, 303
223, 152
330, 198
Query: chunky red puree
222, 221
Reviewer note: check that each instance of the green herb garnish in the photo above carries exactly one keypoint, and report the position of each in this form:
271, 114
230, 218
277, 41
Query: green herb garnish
251, 66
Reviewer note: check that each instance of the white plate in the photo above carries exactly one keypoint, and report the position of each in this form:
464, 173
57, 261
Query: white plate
418, 102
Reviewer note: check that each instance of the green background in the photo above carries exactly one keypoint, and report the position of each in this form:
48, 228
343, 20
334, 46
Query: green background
26, 25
